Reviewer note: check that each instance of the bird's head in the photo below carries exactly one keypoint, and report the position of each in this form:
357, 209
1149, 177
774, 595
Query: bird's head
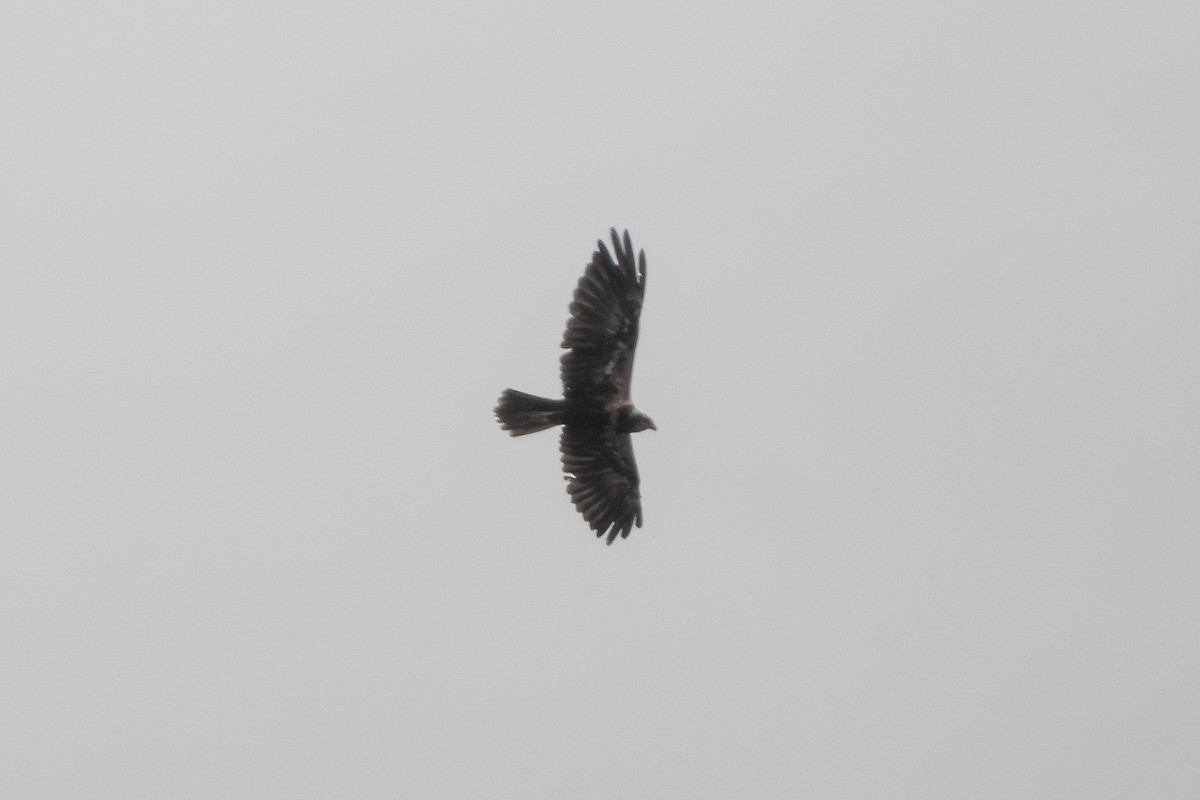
640, 422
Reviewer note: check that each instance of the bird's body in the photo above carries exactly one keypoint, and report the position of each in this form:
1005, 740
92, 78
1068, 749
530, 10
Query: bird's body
596, 412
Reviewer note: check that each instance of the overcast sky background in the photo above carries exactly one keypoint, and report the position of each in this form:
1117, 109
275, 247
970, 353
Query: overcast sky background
921, 339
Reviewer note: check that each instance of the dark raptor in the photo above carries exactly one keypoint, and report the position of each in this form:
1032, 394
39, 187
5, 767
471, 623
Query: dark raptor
595, 411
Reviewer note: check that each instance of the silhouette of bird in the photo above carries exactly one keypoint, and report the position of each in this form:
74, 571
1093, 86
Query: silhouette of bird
595, 411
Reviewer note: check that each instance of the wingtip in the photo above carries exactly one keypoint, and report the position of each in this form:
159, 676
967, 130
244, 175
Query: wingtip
623, 247
602, 256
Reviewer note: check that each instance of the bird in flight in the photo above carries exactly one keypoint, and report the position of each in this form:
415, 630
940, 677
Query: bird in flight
595, 411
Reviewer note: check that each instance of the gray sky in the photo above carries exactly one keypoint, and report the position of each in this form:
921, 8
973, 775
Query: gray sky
920, 337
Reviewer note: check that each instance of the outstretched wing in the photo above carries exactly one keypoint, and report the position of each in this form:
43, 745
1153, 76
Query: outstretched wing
602, 332
602, 478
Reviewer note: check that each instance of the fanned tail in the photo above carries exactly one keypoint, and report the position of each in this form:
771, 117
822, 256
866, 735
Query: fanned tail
521, 413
